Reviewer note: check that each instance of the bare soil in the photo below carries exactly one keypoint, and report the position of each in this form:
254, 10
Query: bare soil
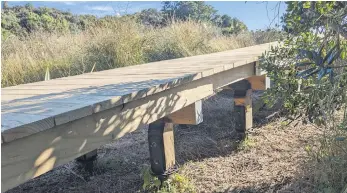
212, 155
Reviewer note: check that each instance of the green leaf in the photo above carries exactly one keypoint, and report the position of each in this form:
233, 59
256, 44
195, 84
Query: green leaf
308, 148
307, 5
321, 49
334, 57
305, 72
304, 63
146, 179
343, 55
329, 54
157, 182
306, 53
310, 74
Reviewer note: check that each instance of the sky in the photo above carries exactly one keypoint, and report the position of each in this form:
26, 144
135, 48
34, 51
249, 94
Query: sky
255, 14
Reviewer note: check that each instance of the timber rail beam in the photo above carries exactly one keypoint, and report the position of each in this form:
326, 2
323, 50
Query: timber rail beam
49, 123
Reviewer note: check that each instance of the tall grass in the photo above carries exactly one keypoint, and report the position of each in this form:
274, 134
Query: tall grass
329, 158
119, 43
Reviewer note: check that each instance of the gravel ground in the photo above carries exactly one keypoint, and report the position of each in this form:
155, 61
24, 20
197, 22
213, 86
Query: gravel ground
271, 158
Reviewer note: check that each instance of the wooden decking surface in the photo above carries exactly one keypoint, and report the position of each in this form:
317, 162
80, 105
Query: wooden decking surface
34, 107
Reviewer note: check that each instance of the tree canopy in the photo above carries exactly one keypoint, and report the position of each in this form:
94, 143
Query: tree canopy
23, 20
184, 10
200, 11
152, 17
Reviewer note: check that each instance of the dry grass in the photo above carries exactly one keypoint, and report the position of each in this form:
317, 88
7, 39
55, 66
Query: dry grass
117, 44
210, 156
329, 158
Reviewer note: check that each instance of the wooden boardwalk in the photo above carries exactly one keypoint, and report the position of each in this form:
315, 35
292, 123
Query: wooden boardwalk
48, 123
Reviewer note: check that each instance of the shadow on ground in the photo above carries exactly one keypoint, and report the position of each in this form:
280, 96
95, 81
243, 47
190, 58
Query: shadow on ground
210, 154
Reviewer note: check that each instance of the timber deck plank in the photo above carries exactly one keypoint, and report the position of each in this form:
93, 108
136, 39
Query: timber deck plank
70, 98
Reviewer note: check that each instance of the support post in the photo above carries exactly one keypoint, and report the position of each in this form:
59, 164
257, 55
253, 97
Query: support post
243, 105
161, 146
243, 109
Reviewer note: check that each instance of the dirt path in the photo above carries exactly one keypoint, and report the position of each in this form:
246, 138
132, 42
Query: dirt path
272, 158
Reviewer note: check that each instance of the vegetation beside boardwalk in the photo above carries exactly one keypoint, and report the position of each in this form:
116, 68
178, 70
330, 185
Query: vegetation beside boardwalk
121, 43
37, 40
24, 20
310, 75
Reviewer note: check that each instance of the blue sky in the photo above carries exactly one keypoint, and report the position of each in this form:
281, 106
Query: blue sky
255, 14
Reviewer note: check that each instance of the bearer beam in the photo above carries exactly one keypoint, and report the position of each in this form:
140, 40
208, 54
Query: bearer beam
161, 146
190, 115
261, 82
257, 82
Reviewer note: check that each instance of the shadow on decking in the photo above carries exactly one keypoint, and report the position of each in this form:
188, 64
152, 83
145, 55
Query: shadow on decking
61, 102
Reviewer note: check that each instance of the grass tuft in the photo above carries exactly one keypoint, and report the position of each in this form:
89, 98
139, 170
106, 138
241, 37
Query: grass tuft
122, 42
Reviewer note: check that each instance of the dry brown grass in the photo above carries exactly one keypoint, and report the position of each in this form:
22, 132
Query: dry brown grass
211, 156
329, 157
117, 44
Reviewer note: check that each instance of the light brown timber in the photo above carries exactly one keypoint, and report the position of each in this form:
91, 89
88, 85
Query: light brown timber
248, 110
189, 115
169, 145
31, 156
